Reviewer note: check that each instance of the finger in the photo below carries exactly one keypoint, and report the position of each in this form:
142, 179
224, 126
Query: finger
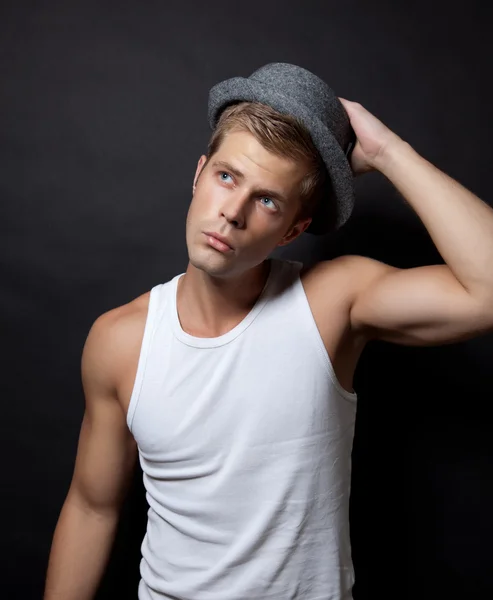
347, 104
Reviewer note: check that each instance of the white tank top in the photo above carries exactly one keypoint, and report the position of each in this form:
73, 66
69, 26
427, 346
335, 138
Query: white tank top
245, 445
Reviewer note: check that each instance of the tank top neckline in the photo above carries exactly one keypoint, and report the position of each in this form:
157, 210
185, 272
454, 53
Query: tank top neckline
229, 336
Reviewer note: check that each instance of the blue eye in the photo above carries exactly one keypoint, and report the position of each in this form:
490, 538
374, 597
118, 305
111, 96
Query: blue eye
224, 173
273, 204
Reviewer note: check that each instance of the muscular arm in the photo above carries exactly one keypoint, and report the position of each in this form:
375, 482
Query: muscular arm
431, 304
417, 307
104, 465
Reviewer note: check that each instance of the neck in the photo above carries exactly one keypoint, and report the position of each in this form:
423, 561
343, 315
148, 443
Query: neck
209, 306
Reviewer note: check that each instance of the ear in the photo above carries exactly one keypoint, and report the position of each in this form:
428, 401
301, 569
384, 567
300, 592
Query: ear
295, 231
198, 170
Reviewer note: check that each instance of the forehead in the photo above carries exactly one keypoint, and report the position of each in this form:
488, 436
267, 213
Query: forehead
243, 151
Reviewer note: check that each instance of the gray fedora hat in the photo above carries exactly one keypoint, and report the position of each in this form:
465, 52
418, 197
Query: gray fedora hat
293, 90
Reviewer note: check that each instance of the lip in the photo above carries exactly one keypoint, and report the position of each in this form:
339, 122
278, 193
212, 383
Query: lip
220, 238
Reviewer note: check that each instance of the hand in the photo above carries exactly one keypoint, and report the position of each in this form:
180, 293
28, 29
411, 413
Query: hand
373, 138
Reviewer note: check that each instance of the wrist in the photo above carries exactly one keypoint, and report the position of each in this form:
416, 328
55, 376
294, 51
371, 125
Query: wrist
392, 153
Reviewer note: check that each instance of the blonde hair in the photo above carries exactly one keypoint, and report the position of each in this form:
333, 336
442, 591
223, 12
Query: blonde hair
280, 134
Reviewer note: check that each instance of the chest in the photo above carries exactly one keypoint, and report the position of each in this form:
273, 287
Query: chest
242, 398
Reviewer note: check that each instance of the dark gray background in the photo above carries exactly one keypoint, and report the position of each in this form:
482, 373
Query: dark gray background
103, 116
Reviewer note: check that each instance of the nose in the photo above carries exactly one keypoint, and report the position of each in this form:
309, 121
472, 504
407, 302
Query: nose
234, 209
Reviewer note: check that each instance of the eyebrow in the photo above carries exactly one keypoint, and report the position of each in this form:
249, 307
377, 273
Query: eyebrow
239, 175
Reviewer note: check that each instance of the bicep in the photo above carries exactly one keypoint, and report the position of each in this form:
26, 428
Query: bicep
418, 306
106, 451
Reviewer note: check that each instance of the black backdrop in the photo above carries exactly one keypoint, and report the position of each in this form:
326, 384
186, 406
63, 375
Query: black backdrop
103, 116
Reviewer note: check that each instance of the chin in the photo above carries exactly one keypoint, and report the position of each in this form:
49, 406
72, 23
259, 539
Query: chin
212, 262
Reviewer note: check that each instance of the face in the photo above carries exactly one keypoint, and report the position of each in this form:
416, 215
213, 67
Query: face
250, 197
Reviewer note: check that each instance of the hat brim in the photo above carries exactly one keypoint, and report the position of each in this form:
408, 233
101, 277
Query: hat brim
337, 208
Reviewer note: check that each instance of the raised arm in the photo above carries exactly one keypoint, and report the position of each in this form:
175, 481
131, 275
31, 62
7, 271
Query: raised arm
431, 304
422, 306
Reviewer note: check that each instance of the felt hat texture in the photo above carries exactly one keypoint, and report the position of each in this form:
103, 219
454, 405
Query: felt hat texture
296, 91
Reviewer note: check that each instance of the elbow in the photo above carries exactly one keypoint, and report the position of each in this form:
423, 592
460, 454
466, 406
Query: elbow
484, 311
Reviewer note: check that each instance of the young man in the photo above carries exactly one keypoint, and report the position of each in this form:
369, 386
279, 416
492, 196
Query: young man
233, 381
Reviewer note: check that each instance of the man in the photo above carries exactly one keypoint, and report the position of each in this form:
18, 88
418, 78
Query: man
233, 381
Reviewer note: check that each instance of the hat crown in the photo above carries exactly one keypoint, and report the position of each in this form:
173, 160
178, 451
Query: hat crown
304, 87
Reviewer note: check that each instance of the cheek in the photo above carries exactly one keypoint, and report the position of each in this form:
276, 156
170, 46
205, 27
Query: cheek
208, 202
195, 210
197, 204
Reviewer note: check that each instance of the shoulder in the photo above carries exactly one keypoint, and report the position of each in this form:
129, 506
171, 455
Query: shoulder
335, 288
113, 339
117, 324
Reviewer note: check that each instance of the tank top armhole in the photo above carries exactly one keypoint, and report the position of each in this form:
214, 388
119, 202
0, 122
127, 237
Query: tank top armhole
144, 351
317, 338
